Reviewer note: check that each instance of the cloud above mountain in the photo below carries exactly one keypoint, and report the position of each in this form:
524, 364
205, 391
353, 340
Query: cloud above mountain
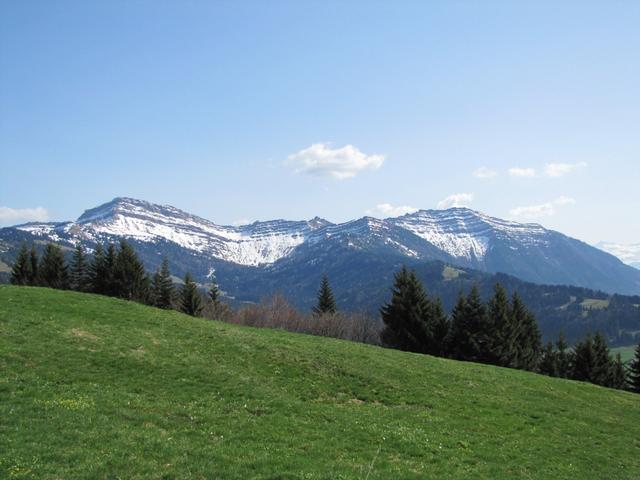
386, 210
484, 173
321, 160
547, 209
555, 170
456, 200
11, 216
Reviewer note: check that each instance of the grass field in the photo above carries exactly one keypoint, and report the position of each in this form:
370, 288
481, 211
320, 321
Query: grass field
92, 387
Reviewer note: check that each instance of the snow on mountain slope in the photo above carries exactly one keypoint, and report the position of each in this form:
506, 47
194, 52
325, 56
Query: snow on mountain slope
467, 234
629, 254
458, 236
255, 244
460, 233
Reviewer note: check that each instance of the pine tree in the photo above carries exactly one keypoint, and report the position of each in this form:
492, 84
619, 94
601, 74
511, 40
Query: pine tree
549, 361
618, 374
53, 271
111, 288
634, 372
129, 275
564, 358
21, 272
190, 302
441, 327
500, 335
214, 293
404, 317
601, 373
34, 260
583, 360
162, 286
326, 303
467, 321
79, 270
98, 271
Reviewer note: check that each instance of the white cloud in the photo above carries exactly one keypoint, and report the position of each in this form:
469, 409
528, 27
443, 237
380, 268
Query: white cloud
522, 172
456, 200
386, 210
12, 216
559, 169
340, 163
484, 173
543, 210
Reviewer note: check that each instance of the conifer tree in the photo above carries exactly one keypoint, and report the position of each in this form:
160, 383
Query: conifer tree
583, 360
33, 259
129, 275
548, 361
162, 286
404, 316
53, 271
500, 334
564, 358
190, 302
618, 374
21, 272
326, 302
441, 326
109, 279
214, 293
634, 372
79, 275
467, 323
98, 271
601, 373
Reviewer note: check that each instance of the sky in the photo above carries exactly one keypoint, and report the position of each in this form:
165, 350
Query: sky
241, 111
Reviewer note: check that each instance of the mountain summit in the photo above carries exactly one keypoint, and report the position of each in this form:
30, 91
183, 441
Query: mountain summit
458, 236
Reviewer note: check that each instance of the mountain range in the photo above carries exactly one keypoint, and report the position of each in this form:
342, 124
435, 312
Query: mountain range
450, 249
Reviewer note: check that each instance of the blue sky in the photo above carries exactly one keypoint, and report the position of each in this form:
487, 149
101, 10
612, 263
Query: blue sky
255, 110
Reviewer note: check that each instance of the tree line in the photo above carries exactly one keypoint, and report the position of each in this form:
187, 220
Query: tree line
501, 331
115, 272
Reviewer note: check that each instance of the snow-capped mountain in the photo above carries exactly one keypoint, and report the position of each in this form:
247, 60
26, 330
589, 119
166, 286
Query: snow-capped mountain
457, 236
629, 254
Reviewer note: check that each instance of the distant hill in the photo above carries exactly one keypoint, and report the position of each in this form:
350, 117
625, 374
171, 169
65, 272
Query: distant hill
94, 387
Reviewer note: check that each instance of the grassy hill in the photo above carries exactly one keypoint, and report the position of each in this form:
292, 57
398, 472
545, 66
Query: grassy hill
92, 387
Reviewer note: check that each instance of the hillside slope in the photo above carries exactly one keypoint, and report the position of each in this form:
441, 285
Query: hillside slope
92, 387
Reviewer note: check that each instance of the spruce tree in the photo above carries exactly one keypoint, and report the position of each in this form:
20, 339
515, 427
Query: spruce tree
111, 288
441, 326
162, 286
214, 293
21, 272
634, 372
326, 303
404, 316
564, 357
601, 373
583, 360
97, 271
34, 260
618, 374
500, 335
549, 361
190, 302
129, 275
467, 322
53, 271
79, 272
